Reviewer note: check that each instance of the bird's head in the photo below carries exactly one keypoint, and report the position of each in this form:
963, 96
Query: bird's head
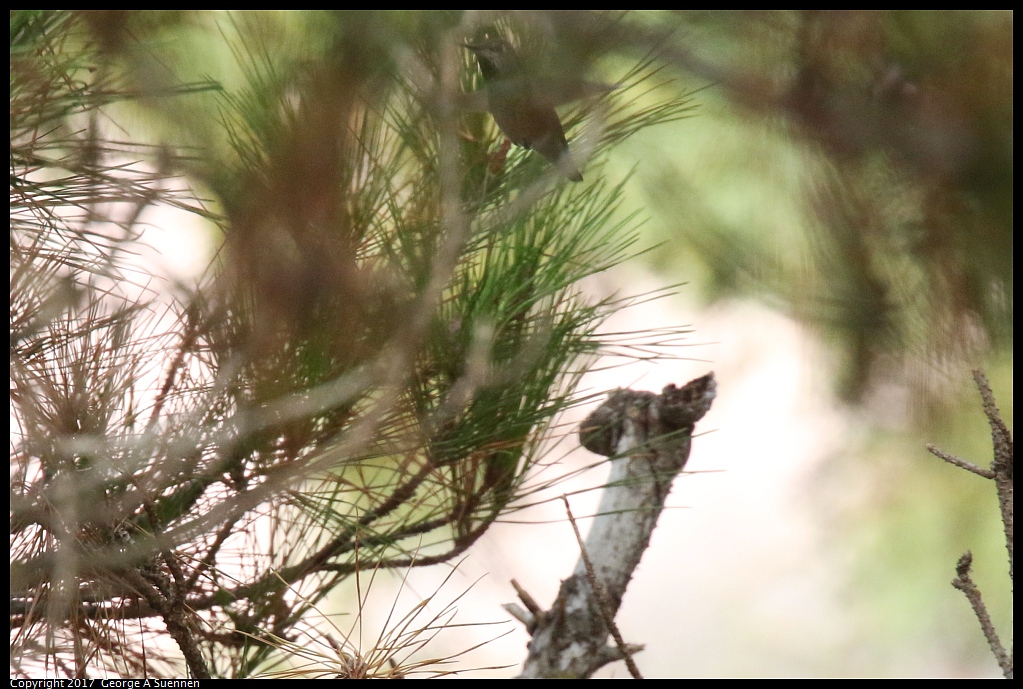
496, 56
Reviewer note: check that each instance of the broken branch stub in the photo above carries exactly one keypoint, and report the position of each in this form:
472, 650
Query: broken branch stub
648, 438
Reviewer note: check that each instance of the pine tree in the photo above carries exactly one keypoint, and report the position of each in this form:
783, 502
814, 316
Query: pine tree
363, 378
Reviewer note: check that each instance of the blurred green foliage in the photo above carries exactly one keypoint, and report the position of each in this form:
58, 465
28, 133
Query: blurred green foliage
853, 169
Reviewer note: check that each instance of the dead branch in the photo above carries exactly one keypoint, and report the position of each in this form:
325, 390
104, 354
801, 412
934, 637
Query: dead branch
1001, 473
648, 437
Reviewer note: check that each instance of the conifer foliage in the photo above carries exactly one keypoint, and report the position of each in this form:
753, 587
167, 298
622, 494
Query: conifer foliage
362, 378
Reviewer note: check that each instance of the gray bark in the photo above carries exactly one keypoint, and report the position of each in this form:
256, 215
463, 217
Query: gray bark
648, 438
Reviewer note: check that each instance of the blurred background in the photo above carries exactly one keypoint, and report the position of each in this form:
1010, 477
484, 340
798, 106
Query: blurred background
829, 223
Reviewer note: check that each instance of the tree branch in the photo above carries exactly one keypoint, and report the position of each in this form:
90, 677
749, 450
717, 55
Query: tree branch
1001, 473
648, 437
964, 582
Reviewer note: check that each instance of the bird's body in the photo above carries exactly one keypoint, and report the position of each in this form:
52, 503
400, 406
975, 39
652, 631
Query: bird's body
523, 112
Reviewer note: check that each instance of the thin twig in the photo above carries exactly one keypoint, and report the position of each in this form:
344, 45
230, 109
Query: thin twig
961, 463
527, 620
1001, 473
527, 599
964, 583
1000, 435
1001, 440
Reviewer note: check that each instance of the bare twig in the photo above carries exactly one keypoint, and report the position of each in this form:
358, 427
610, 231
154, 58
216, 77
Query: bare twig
1001, 473
1000, 435
527, 599
1001, 440
961, 463
964, 583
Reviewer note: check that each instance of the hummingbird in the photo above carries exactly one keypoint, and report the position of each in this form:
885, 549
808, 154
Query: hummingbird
523, 111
